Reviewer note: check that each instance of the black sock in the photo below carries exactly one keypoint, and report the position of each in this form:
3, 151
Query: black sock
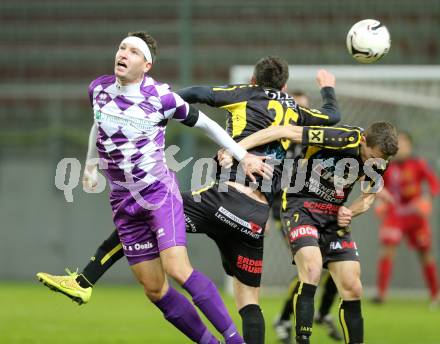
304, 309
350, 316
328, 296
253, 324
287, 311
108, 253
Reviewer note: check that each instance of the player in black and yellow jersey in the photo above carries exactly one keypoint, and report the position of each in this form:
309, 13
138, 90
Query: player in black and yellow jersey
283, 322
316, 221
236, 219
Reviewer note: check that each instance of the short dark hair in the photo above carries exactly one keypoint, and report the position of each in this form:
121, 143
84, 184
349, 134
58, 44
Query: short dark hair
271, 71
384, 136
151, 42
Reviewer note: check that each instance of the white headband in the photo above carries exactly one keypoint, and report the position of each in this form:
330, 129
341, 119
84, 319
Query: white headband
140, 44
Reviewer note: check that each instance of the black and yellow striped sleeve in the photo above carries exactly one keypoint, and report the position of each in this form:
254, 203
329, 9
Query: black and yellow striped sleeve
197, 94
217, 96
223, 96
331, 137
328, 114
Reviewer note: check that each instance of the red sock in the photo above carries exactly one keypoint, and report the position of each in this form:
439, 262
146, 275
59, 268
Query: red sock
431, 278
385, 268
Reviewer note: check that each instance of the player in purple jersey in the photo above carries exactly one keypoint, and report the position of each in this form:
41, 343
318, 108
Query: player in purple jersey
241, 248
131, 111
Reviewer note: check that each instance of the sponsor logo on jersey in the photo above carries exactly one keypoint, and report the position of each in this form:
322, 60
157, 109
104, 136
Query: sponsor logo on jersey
344, 244
303, 231
138, 246
327, 194
330, 171
102, 98
255, 228
254, 266
316, 136
160, 232
249, 228
322, 208
144, 124
306, 329
190, 226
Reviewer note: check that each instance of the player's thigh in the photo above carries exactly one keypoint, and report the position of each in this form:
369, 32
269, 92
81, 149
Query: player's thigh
391, 230
419, 236
347, 277
242, 258
303, 238
244, 294
390, 235
176, 263
308, 260
198, 210
152, 276
388, 251
167, 220
134, 229
225, 207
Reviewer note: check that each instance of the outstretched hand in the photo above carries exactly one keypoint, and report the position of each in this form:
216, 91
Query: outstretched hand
255, 165
252, 164
225, 158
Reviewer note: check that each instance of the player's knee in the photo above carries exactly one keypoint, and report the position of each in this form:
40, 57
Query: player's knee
351, 289
425, 256
389, 252
179, 273
154, 289
155, 292
311, 274
309, 263
176, 265
244, 298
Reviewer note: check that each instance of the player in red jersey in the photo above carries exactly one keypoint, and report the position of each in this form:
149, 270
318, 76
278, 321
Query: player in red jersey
404, 210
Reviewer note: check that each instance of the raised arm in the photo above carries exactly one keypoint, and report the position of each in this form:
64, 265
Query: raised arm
197, 94
326, 137
329, 113
252, 164
219, 135
273, 133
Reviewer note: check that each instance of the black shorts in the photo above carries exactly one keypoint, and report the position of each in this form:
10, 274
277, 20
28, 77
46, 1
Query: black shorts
312, 222
276, 206
236, 223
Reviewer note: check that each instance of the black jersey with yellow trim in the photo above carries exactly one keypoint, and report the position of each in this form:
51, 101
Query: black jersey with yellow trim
251, 108
327, 170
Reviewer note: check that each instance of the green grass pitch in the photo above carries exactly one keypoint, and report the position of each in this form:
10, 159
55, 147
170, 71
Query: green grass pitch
31, 313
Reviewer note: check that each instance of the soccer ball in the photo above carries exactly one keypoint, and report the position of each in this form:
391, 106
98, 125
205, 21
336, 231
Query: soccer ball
368, 41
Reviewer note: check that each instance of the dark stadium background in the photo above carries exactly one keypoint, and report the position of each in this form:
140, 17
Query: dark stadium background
50, 50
